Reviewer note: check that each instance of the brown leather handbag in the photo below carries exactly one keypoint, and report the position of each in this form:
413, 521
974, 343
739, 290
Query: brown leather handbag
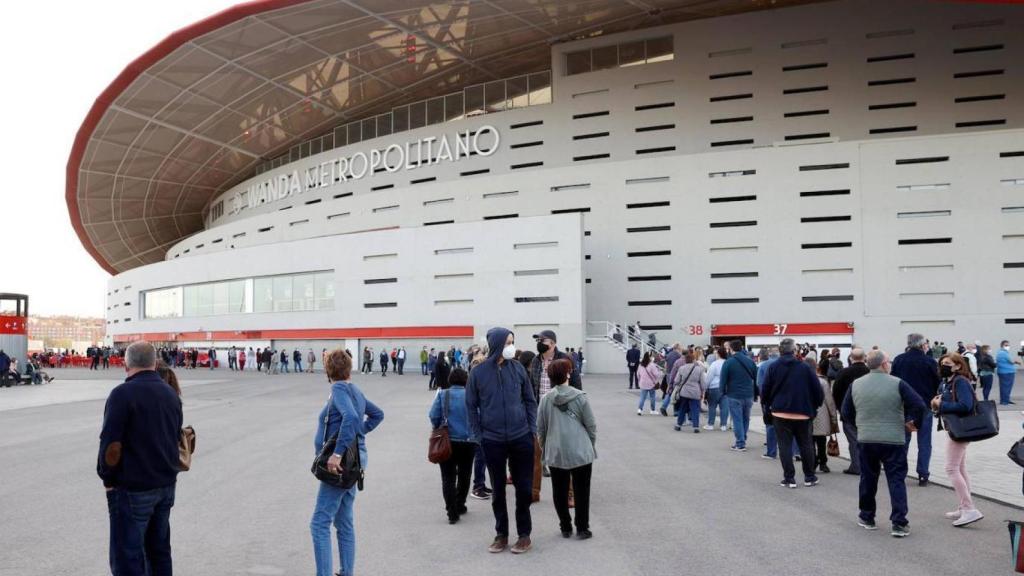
832, 447
439, 448
186, 446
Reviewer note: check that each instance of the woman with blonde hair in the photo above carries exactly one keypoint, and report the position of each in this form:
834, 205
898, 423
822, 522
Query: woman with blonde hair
956, 396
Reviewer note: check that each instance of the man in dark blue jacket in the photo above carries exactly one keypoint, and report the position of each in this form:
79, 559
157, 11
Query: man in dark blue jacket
138, 463
737, 384
921, 371
502, 414
5, 367
633, 364
793, 394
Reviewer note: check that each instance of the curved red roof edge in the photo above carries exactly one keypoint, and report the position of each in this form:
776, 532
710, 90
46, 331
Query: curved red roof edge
130, 73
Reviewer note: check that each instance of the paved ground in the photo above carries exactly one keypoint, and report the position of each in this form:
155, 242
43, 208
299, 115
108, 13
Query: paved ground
664, 502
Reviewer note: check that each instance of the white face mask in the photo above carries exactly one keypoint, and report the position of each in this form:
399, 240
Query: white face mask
1007, 347
509, 352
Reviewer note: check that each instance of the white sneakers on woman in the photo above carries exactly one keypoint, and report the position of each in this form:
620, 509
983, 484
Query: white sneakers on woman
968, 517
954, 514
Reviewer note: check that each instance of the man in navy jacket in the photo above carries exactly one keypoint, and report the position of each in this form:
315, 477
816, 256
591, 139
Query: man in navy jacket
921, 371
633, 364
793, 394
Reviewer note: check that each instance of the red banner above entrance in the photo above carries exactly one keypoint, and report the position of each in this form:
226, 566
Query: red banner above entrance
782, 329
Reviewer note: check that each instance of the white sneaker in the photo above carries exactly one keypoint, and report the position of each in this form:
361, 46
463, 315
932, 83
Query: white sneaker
724, 428
954, 514
639, 412
654, 412
708, 427
968, 517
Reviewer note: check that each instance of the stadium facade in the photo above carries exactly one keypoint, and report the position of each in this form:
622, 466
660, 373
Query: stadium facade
312, 173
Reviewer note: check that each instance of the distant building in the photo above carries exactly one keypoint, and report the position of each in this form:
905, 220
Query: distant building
61, 331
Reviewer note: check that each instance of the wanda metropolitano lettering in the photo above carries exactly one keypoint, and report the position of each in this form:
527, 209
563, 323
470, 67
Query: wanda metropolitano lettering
482, 141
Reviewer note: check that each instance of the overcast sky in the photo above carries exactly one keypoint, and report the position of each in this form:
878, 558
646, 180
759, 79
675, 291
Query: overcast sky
57, 59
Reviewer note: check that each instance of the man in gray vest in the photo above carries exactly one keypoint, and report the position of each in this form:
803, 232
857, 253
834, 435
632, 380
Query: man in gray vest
883, 408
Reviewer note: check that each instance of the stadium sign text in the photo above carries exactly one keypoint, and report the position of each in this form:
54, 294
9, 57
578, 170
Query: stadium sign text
424, 152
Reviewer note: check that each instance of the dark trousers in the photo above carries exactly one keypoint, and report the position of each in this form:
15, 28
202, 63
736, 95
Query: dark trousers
367, 367
384, 368
455, 477
820, 450
786, 431
479, 469
401, 366
140, 531
580, 482
634, 380
986, 385
423, 368
850, 430
516, 456
894, 458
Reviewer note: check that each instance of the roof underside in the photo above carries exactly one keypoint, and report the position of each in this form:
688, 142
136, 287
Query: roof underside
194, 115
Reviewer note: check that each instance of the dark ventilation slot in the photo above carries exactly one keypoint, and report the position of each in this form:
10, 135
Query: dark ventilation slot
475, 172
731, 75
649, 303
892, 105
924, 160
590, 157
837, 298
647, 204
979, 24
814, 167
217, 241
589, 136
527, 144
964, 99
501, 216
972, 49
655, 128
586, 232
892, 129
821, 245
439, 222
915, 241
572, 211
1014, 320
648, 278
589, 280
732, 142
526, 124
643, 107
656, 150
812, 219
797, 67
809, 136
734, 275
803, 43
380, 281
805, 89
890, 57
648, 229
314, 201
379, 170
733, 199
526, 165
267, 229
735, 224
979, 73
732, 52
652, 327
422, 180
801, 113
382, 187
649, 253
977, 123
730, 120
889, 33
1013, 154
380, 305
587, 257
730, 97
735, 300
1013, 264
890, 81
589, 115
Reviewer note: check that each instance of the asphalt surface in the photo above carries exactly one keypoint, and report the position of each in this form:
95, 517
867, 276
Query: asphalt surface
664, 502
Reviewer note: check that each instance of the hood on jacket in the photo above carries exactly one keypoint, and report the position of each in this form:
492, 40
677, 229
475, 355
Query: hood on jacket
566, 394
496, 338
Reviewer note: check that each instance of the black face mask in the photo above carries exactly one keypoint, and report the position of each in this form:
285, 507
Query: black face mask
542, 347
945, 371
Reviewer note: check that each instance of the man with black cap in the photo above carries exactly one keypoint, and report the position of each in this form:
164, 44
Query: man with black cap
548, 352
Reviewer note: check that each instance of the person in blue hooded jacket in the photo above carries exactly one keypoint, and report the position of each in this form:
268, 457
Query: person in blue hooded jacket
449, 407
502, 413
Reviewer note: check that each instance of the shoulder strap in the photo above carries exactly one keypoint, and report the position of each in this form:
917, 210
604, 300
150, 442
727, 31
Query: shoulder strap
753, 376
444, 412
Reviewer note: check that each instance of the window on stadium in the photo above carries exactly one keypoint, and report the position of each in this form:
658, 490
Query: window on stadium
285, 293
619, 55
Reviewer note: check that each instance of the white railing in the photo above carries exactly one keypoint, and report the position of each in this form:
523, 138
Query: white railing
623, 337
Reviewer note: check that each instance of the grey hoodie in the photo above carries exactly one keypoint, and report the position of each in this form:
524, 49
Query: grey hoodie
567, 430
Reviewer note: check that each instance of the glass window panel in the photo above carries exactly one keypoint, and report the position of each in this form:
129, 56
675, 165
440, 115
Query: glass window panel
202, 295
577, 62
340, 136
631, 53
435, 110
474, 99
369, 128
236, 297
494, 96
191, 301
400, 119
316, 146
325, 291
220, 298
263, 295
417, 115
384, 124
304, 292
659, 49
164, 303
540, 88
518, 90
293, 154
605, 57
282, 294
355, 133
328, 141
453, 107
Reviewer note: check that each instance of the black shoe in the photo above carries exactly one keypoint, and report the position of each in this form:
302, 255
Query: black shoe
488, 491
463, 510
922, 482
664, 412
453, 519
584, 535
566, 533
824, 469
851, 472
480, 494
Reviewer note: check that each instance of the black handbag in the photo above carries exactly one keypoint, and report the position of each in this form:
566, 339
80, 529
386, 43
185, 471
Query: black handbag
981, 424
351, 467
1016, 453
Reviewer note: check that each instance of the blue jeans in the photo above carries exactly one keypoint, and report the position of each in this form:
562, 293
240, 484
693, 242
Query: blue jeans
284, 366
479, 469
688, 406
645, 394
986, 385
334, 505
717, 402
740, 410
666, 401
924, 445
140, 531
872, 458
771, 448
1005, 386
298, 365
